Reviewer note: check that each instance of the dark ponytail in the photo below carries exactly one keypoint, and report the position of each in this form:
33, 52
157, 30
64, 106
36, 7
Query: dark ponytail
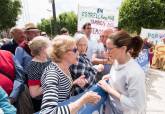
133, 44
136, 45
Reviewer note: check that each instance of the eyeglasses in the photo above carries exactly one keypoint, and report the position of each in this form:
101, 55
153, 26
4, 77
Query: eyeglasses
110, 49
103, 36
74, 50
88, 28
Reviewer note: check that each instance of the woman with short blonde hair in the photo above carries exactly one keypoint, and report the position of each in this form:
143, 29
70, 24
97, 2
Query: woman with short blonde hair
37, 44
60, 47
35, 68
56, 80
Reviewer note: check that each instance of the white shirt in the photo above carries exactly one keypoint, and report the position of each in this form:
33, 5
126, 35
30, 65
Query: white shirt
129, 80
92, 46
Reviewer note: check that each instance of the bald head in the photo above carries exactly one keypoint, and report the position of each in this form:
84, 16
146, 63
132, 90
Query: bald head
17, 34
108, 31
105, 34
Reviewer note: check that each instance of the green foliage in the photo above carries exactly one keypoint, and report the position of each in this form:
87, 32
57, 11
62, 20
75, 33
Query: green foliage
135, 14
9, 10
45, 26
67, 20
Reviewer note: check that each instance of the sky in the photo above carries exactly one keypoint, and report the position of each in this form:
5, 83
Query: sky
35, 10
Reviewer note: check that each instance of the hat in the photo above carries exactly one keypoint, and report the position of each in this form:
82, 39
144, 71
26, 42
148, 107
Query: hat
29, 26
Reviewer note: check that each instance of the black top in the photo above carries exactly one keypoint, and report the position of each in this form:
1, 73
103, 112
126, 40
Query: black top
34, 71
10, 46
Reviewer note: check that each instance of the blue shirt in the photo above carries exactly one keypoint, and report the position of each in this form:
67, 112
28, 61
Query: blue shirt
19, 80
22, 56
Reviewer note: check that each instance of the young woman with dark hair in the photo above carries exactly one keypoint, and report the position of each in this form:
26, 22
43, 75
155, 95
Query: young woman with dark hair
127, 79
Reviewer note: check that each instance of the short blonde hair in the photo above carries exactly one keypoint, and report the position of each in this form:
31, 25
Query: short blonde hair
60, 45
37, 44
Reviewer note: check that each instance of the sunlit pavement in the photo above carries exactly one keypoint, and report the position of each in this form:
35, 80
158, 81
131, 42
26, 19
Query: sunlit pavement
155, 84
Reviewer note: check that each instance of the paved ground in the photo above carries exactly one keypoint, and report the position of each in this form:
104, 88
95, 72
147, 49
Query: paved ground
155, 83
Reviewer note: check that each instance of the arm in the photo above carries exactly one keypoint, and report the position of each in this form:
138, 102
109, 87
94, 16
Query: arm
96, 60
136, 93
34, 81
5, 106
50, 98
78, 72
88, 97
35, 91
50, 95
19, 55
18, 81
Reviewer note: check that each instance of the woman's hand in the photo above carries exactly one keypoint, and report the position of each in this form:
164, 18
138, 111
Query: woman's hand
91, 97
104, 85
81, 81
106, 77
88, 97
100, 68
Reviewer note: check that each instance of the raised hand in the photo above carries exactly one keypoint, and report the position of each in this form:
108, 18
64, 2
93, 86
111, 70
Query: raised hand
81, 81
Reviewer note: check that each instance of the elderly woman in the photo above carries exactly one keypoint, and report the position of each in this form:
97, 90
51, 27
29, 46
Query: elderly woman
127, 79
84, 68
57, 82
35, 68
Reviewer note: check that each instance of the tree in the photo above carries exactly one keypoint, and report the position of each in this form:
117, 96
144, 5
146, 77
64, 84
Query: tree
67, 20
9, 10
135, 14
45, 25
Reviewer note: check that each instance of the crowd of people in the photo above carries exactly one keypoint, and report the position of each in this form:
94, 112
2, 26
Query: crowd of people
38, 73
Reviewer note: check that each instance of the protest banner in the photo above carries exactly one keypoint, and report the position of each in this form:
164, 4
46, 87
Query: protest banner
159, 57
99, 18
90, 108
153, 35
143, 59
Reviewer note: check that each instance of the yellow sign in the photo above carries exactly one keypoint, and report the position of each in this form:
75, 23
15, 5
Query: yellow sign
159, 57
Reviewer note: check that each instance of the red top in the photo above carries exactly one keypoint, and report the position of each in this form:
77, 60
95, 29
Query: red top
8, 70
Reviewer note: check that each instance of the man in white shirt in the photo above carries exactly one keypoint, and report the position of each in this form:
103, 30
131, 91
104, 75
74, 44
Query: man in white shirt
92, 43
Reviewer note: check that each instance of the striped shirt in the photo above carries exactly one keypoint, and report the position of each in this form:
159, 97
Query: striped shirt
56, 87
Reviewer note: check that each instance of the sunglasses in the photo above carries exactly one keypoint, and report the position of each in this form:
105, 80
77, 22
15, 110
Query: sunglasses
74, 50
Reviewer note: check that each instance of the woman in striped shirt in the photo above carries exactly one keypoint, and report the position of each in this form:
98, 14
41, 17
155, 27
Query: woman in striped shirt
56, 80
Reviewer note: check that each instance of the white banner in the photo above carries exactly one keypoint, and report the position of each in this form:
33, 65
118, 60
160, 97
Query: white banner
153, 35
98, 17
